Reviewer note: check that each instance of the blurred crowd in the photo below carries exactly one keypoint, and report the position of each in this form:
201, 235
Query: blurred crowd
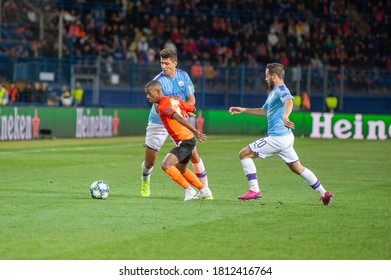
40, 93
225, 33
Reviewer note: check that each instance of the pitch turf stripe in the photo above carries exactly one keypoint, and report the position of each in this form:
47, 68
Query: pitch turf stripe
66, 149
90, 148
228, 140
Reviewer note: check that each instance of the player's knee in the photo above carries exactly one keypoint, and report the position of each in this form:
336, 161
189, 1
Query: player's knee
244, 153
165, 166
195, 158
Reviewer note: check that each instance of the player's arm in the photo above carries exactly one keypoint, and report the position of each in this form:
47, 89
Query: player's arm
185, 106
288, 106
191, 99
250, 111
188, 107
200, 136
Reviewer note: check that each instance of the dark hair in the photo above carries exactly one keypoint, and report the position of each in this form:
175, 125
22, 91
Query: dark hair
276, 68
153, 84
167, 53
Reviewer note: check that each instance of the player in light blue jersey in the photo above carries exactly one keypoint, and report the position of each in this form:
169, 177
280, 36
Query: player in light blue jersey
179, 86
175, 83
280, 139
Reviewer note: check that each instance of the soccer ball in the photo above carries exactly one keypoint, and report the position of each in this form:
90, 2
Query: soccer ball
99, 190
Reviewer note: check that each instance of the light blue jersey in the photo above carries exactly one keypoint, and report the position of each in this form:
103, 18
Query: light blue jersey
274, 106
179, 86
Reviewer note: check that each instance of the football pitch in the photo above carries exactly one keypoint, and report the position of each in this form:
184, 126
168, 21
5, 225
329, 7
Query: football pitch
47, 213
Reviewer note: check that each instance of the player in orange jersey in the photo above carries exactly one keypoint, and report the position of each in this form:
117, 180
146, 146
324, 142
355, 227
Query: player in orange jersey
171, 111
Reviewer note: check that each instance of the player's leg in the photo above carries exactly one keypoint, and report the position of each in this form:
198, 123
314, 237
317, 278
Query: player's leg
290, 157
155, 137
146, 170
189, 176
310, 178
199, 168
170, 166
148, 163
246, 156
192, 178
260, 148
205, 193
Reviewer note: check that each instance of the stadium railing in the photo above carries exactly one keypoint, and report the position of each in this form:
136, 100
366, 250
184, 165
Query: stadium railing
121, 83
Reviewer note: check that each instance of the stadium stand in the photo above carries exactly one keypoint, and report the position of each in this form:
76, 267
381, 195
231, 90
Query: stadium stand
347, 40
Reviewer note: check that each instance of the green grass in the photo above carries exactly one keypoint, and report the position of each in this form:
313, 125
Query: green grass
46, 211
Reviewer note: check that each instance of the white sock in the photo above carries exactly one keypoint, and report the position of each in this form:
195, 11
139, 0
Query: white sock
311, 180
199, 170
251, 173
146, 172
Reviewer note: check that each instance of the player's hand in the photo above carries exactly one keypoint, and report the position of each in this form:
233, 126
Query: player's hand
288, 123
190, 114
235, 110
201, 137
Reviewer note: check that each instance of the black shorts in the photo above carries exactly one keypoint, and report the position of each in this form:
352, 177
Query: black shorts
183, 150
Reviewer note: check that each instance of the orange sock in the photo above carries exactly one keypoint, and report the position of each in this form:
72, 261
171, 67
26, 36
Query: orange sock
176, 175
192, 179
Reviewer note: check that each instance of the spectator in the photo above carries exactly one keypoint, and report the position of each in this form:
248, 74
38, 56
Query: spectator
197, 71
78, 95
196, 31
10, 10
331, 103
169, 44
190, 49
306, 103
3, 95
53, 99
297, 102
317, 70
66, 98
28, 93
13, 93
210, 72
131, 53
75, 30
40, 95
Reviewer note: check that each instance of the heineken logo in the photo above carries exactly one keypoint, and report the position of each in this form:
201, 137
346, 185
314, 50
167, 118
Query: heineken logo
323, 127
89, 126
16, 126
